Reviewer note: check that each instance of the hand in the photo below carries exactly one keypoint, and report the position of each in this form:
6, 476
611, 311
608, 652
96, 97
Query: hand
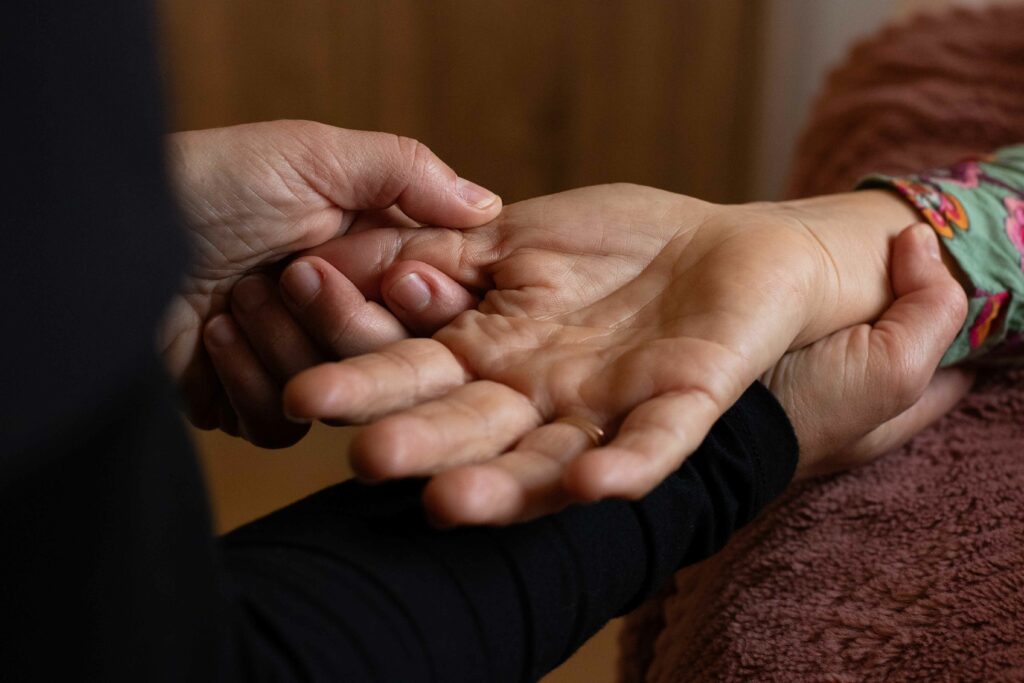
867, 389
644, 312
252, 195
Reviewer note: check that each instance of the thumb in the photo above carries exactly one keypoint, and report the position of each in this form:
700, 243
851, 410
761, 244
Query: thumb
908, 341
422, 297
360, 170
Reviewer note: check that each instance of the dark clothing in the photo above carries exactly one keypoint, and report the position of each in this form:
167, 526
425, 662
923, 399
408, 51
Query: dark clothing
109, 570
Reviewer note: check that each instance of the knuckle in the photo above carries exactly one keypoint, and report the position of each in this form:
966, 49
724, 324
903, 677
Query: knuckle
407, 160
418, 157
959, 305
911, 381
343, 331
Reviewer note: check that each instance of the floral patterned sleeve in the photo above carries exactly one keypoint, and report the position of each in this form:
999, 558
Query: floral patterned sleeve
977, 207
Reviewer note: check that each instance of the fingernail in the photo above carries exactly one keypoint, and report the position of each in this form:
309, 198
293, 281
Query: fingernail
220, 331
474, 195
931, 241
411, 293
250, 294
301, 282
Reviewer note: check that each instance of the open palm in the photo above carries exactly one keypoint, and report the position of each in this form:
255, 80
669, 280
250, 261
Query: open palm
644, 312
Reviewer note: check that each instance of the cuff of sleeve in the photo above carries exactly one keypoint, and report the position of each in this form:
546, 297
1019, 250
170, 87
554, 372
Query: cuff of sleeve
979, 215
776, 449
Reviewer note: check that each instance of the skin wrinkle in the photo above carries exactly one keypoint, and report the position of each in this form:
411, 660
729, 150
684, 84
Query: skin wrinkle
302, 201
654, 261
198, 274
488, 244
474, 411
351, 317
464, 262
585, 313
313, 168
391, 187
401, 361
674, 433
711, 389
420, 163
592, 410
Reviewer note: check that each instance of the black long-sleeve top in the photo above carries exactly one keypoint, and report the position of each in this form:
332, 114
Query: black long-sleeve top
109, 571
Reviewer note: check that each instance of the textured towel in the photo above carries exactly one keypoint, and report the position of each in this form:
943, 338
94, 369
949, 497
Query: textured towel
911, 568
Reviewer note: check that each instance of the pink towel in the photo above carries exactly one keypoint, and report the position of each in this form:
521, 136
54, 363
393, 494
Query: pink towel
911, 568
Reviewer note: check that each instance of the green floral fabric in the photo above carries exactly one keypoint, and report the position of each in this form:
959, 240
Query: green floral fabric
977, 208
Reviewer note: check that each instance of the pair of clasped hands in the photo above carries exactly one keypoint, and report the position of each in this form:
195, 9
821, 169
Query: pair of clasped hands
319, 290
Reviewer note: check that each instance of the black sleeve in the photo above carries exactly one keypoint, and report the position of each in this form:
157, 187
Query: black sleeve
350, 584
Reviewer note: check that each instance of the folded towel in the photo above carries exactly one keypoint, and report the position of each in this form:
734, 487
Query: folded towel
911, 568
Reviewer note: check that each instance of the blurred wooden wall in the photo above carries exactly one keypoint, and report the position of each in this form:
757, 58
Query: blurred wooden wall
526, 97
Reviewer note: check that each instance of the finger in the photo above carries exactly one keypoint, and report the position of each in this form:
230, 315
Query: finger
473, 422
281, 345
652, 442
364, 388
364, 256
364, 170
945, 390
330, 308
930, 307
423, 298
253, 393
518, 486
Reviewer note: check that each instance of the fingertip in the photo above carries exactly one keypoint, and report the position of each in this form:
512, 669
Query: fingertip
927, 240
593, 476
380, 451
917, 260
958, 381
220, 332
302, 280
422, 297
477, 197
410, 293
308, 396
332, 310
470, 495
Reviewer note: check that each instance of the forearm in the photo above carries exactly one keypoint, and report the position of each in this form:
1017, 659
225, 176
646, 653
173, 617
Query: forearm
352, 584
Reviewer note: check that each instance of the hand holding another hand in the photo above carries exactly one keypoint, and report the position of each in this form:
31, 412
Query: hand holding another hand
255, 194
638, 310
866, 389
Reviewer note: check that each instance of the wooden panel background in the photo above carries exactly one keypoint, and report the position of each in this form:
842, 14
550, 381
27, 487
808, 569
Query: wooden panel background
524, 96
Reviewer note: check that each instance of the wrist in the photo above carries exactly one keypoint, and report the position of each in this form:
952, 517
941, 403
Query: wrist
855, 231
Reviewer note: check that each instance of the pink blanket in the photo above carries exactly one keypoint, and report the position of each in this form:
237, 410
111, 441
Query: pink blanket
912, 568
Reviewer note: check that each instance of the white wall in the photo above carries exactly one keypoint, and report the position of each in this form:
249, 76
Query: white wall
801, 41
